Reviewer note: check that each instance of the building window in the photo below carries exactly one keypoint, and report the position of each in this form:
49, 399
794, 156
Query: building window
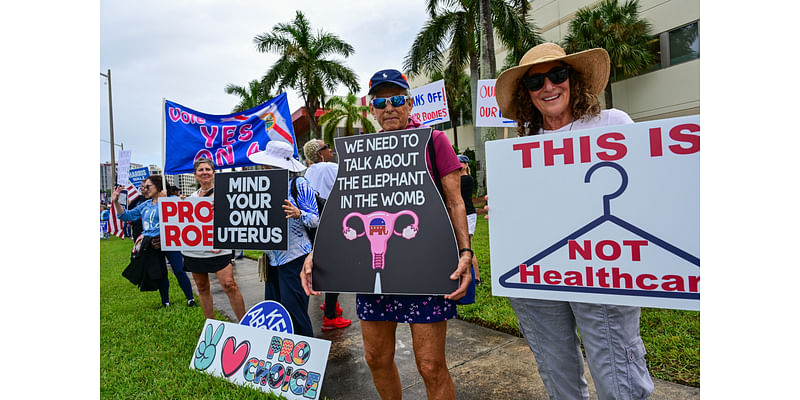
684, 43
676, 46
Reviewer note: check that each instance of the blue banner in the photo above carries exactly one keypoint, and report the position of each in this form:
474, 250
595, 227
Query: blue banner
137, 175
225, 139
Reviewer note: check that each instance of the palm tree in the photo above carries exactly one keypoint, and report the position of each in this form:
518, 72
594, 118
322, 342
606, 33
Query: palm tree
455, 29
303, 64
456, 87
618, 29
345, 109
252, 95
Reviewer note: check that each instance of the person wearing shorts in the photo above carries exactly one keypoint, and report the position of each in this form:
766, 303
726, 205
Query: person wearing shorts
202, 263
391, 105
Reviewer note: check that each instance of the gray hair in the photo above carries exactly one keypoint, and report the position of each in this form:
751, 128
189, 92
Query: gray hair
311, 149
201, 161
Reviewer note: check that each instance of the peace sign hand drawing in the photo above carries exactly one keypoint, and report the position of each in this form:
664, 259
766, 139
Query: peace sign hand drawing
207, 349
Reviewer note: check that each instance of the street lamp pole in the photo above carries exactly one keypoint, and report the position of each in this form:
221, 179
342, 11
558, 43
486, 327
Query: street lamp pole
111, 124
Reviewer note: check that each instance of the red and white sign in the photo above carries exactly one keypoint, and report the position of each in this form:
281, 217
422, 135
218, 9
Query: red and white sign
488, 111
186, 224
603, 215
430, 103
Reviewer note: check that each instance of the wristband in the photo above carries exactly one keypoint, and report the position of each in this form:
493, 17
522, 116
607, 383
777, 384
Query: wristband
466, 249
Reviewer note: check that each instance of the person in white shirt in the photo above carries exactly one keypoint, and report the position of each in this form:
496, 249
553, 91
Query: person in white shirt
548, 92
321, 171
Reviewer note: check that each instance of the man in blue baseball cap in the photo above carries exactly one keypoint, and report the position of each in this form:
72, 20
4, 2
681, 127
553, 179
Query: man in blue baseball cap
390, 99
391, 104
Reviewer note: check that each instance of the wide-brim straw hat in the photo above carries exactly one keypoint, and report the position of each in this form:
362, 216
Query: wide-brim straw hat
593, 64
278, 154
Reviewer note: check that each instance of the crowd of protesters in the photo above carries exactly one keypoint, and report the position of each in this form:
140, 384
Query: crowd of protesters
549, 91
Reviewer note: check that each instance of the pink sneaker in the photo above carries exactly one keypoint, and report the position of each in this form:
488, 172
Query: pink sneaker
331, 324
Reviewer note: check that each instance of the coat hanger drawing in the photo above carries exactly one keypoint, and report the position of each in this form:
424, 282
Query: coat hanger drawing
606, 217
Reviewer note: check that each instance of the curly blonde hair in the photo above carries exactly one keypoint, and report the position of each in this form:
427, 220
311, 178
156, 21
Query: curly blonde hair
583, 104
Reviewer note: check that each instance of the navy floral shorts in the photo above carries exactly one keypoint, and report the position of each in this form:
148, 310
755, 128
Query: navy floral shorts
404, 308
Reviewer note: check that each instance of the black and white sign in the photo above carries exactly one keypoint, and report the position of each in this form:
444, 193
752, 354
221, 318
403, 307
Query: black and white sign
247, 210
385, 228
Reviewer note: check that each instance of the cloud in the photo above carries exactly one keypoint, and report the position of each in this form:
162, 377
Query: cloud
188, 51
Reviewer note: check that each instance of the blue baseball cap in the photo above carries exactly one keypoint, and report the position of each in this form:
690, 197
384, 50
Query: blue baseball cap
463, 158
392, 76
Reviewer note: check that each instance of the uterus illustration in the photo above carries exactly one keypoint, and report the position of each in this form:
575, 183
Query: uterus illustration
378, 228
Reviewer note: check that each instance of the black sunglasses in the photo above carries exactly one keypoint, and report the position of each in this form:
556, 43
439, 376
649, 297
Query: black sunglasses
324, 147
397, 101
556, 75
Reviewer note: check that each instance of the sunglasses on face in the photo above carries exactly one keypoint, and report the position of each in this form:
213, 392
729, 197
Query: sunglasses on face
556, 75
145, 187
397, 101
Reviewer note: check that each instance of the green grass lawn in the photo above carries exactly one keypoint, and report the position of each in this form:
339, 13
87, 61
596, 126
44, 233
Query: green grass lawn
671, 337
141, 343
145, 350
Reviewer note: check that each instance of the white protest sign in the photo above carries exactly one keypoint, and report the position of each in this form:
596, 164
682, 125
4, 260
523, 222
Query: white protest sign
430, 103
186, 224
282, 363
123, 167
603, 215
488, 111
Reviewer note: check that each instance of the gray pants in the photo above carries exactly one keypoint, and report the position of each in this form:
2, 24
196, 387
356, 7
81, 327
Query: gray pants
610, 334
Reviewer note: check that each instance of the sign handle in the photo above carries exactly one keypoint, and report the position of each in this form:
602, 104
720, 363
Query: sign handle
164, 144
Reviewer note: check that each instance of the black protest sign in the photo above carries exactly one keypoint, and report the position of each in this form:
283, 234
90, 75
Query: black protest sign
247, 210
385, 228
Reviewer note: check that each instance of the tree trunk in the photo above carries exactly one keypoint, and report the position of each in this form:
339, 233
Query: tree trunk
480, 155
455, 133
488, 64
313, 127
487, 71
609, 94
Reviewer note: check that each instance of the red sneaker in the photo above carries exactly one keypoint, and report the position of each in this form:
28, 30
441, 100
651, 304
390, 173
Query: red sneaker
331, 324
338, 308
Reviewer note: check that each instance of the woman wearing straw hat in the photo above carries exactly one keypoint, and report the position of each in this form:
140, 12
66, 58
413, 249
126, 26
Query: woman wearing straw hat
283, 284
551, 91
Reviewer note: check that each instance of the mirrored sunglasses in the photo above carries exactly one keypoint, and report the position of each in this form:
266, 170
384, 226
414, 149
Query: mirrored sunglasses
397, 101
556, 75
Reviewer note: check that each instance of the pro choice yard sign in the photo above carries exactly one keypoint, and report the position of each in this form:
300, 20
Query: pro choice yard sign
282, 363
603, 215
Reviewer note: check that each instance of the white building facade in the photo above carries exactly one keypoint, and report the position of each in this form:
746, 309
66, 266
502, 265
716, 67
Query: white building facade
670, 89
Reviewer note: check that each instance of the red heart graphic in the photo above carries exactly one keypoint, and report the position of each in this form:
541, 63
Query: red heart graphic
233, 356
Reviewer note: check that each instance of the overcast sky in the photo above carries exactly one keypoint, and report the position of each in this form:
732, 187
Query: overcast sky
188, 51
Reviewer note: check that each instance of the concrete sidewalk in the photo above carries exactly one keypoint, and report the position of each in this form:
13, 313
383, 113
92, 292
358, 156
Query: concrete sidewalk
484, 363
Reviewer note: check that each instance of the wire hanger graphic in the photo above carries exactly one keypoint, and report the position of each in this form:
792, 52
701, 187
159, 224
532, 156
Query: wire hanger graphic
606, 217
